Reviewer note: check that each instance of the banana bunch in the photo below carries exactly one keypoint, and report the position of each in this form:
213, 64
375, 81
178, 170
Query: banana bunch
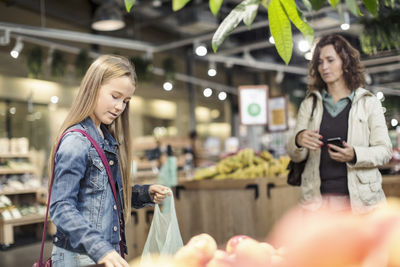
205, 173
245, 164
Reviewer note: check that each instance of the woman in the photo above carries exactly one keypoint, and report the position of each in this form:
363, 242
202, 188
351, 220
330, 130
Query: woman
82, 204
340, 177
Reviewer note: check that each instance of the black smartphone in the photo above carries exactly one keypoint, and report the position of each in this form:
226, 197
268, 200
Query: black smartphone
337, 141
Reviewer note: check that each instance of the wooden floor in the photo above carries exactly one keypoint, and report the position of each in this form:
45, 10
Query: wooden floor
23, 255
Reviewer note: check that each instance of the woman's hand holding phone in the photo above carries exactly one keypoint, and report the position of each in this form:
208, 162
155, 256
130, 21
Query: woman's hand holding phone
344, 153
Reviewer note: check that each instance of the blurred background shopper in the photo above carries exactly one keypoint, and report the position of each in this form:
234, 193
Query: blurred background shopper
82, 203
346, 139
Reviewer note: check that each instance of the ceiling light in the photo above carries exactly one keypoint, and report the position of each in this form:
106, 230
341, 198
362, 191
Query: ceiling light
394, 122
201, 50
222, 96
17, 48
271, 40
308, 55
279, 77
54, 99
212, 69
346, 21
13, 110
108, 17
304, 45
168, 86
207, 92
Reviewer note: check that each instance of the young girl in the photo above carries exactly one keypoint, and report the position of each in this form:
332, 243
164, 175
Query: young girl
82, 205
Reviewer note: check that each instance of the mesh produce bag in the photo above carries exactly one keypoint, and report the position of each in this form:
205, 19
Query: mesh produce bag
164, 235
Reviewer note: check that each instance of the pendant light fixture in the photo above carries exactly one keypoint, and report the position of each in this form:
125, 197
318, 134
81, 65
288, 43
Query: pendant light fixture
108, 17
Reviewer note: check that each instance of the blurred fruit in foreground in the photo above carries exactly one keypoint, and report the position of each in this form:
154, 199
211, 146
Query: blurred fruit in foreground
330, 239
197, 252
233, 242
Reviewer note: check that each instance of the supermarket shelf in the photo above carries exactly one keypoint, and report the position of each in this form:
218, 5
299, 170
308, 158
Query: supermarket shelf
20, 191
7, 226
14, 155
28, 219
12, 171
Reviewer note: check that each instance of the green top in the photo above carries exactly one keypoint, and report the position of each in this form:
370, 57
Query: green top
331, 107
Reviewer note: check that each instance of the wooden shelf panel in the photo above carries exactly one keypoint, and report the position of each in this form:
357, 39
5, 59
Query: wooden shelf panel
28, 219
10, 155
12, 171
19, 191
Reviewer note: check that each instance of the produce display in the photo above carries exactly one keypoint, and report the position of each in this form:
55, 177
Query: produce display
245, 164
302, 239
202, 251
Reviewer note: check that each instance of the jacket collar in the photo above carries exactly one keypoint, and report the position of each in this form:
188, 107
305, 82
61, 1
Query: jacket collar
108, 143
361, 92
358, 94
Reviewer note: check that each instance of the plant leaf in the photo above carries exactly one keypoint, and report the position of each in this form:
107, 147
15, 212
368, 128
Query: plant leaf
178, 4
250, 13
230, 23
353, 7
372, 6
308, 5
291, 11
317, 4
334, 3
265, 3
129, 4
281, 30
215, 5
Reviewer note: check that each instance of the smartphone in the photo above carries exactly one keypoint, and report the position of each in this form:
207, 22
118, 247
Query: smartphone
337, 141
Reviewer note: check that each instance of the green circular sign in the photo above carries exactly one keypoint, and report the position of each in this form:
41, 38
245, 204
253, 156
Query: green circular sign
254, 109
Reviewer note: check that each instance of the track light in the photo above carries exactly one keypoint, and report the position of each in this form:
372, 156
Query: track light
200, 49
168, 86
222, 96
17, 48
212, 69
346, 21
207, 92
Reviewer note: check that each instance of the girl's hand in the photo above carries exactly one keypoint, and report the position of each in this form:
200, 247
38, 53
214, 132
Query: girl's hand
159, 192
113, 259
309, 139
345, 154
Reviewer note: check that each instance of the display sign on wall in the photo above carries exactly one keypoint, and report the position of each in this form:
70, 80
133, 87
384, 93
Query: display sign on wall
253, 104
278, 114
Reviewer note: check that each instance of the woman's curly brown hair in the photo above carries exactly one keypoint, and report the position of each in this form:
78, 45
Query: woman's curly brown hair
353, 71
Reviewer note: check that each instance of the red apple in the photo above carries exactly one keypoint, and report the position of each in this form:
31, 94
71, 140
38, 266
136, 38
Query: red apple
234, 241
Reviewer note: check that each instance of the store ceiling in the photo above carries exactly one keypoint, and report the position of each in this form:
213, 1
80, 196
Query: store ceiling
153, 24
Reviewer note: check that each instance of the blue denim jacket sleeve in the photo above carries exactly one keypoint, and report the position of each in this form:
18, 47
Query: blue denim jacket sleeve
70, 168
141, 196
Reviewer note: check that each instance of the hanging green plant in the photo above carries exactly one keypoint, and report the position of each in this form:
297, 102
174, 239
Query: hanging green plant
169, 67
82, 63
143, 68
382, 32
34, 62
58, 64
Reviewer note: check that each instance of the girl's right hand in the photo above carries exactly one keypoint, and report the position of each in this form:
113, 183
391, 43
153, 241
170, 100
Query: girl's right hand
309, 139
113, 259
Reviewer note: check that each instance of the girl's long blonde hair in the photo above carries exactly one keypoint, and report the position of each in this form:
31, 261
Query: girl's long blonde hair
102, 70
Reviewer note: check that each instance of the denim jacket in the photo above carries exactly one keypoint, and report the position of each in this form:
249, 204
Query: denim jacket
82, 205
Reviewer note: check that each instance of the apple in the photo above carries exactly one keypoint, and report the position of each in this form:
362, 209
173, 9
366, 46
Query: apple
250, 252
234, 241
197, 252
222, 259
